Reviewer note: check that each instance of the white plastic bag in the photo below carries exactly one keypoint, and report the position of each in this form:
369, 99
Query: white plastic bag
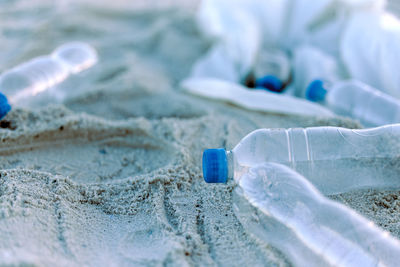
238, 39
215, 17
321, 23
370, 49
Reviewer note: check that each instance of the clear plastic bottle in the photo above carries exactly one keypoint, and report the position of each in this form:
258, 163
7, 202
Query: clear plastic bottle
282, 208
334, 159
357, 100
36, 75
32, 78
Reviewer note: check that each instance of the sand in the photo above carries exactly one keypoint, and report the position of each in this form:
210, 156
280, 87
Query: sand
109, 174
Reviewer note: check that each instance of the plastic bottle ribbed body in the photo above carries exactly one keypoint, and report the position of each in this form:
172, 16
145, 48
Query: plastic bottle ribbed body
357, 100
36, 75
333, 159
32, 78
282, 208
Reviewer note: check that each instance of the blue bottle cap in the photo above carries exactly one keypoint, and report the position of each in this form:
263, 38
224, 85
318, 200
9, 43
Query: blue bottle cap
270, 82
215, 165
4, 106
316, 91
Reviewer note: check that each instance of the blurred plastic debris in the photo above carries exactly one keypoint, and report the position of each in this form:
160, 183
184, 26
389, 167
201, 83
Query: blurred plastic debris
252, 41
36, 75
253, 99
370, 49
32, 78
356, 100
242, 28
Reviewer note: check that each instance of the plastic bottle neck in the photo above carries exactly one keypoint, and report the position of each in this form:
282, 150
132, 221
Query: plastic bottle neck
316, 91
231, 164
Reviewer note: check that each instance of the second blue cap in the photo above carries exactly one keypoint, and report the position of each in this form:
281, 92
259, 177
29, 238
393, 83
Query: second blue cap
316, 91
215, 165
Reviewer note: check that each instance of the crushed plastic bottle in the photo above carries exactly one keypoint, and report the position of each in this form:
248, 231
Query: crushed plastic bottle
243, 30
356, 100
335, 160
35, 76
282, 208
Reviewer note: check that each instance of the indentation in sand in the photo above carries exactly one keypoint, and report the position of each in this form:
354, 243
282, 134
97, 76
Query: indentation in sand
91, 162
133, 103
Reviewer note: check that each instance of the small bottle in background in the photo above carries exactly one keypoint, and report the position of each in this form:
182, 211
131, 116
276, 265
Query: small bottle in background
33, 77
271, 71
356, 100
